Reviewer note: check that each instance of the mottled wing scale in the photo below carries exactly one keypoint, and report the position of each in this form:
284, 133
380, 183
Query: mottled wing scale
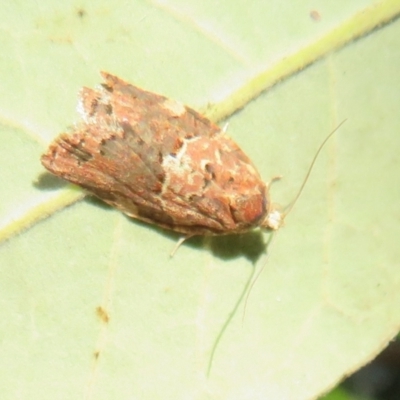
159, 161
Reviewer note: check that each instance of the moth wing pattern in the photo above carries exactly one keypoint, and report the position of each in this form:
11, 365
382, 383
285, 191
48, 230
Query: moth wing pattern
159, 161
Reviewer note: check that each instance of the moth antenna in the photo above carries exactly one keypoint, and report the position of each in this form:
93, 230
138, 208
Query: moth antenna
275, 217
292, 204
249, 291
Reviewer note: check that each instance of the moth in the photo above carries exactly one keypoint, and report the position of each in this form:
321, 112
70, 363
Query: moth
161, 162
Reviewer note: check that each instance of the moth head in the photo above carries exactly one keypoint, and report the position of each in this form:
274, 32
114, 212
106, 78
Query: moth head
274, 217
274, 220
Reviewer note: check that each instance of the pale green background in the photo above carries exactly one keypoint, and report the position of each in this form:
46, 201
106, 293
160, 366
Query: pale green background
328, 298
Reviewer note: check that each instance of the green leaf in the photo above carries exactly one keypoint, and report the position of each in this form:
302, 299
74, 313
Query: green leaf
92, 304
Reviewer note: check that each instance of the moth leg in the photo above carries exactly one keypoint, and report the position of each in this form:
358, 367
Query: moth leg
178, 244
225, 127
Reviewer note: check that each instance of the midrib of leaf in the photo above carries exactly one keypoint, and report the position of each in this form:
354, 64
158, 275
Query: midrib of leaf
358, 25
42, 210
